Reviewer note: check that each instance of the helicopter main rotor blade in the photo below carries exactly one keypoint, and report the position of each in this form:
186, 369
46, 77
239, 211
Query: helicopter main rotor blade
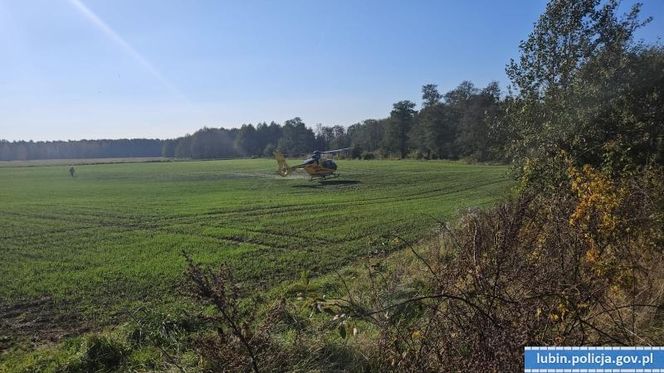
335, 151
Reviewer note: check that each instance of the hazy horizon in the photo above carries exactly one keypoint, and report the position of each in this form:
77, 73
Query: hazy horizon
93, 69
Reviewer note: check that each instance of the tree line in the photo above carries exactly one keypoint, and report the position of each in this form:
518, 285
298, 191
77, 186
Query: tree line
462, 123
26, 150
465, 122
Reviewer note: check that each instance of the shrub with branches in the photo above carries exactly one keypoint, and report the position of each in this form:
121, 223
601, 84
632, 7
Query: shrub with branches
582, 267
242, 342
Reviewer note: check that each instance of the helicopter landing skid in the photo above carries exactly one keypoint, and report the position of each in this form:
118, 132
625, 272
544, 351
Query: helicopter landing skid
320, 179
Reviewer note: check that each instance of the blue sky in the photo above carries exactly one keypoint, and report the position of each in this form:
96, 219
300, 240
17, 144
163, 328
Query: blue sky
73, 69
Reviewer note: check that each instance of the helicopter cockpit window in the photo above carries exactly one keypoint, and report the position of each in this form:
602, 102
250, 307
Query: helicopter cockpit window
328, 163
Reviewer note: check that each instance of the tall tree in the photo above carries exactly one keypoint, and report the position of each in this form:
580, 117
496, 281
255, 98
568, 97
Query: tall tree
424, 134
402, 118
368, 135
573, 64
296, 138
340, 139
479, 114
268, 137
247, 141
430, 95
567, 35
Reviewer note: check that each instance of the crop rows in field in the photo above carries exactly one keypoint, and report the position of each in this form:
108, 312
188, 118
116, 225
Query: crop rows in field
115, 233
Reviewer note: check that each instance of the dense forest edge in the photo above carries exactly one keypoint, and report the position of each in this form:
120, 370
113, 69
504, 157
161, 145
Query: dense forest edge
463, 123
572, 257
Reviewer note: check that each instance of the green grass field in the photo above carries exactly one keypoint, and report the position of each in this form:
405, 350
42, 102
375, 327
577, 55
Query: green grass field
111, 238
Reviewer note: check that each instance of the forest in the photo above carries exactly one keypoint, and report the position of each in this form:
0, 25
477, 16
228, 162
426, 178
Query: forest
466, 122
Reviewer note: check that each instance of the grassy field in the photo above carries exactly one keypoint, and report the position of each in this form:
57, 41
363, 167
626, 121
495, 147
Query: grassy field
79, 161
81, 251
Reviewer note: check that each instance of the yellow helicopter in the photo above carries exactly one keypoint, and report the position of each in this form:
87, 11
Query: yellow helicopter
316, 168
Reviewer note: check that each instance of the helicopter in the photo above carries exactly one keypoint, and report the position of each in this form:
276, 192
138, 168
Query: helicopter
316, 168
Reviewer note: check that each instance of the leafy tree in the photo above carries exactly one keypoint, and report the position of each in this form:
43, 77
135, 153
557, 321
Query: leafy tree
368, 134
324, 137
340, 139
567, 35
479, 113
26, 150
268, 136
402, 119
247, 141
296, 138
434, 132
575, 64
168, 148
183, 147
269, 150
213, 143
424, 134
430, 95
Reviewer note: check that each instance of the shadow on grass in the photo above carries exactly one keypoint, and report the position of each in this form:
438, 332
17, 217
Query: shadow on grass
324, 183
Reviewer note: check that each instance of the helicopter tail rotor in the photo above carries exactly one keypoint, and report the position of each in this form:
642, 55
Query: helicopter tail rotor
282, 166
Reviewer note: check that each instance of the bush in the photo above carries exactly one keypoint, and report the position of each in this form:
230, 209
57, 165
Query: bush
582, 267
241, 342
99, 353
269, 149
356, 152
368, 156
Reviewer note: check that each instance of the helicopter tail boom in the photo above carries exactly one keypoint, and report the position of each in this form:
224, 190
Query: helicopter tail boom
282, 166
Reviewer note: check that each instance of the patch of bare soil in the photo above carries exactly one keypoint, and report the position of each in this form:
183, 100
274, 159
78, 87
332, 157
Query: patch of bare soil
37, 322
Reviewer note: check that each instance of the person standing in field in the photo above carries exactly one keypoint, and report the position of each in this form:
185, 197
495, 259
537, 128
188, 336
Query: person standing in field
72, 171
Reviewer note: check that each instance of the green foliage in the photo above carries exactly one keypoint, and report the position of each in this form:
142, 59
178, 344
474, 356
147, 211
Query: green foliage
296, 139
465, 125
99, 353
368, 134
368, 156
568, 35
120, 148
430, 95
247, 141
168, 148
481, 113
402, 119
335, 137
213, 143
92, 353
586, 92
536, 270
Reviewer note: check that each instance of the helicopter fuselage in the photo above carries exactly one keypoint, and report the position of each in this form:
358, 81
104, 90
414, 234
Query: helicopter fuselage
316, 167
316, 170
